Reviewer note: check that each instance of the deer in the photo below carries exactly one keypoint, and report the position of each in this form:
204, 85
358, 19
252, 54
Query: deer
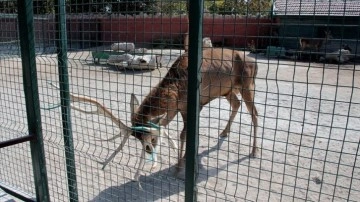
224, 72
314, 44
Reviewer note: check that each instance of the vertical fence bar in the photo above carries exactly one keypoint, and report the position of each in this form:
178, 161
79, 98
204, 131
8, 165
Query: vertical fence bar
27, 44
61, 45
194, 66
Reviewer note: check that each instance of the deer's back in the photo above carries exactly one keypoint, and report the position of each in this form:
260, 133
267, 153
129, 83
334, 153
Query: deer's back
225, 71
222, 71
310, 43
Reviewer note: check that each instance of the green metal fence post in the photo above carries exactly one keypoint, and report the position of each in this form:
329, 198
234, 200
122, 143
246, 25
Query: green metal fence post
27, 44
195, 56
61, 44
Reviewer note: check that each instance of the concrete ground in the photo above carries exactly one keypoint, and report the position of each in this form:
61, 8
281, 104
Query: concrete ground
308, 134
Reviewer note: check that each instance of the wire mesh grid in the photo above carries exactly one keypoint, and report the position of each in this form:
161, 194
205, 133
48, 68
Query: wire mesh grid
308, 111
16, 168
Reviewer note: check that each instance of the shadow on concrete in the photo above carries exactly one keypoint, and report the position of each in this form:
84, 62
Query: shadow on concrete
161, 184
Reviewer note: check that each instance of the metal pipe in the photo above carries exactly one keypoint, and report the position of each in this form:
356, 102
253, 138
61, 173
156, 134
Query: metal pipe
61, 45
194, 77
16, 141
16, 194
28, 61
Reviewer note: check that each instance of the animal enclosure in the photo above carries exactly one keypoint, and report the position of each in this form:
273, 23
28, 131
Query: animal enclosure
96, 107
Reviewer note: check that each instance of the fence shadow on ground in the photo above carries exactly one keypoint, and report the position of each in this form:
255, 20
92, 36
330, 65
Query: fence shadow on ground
161, 184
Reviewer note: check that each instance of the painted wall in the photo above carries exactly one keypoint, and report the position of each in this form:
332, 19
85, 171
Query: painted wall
228, 31
88, 31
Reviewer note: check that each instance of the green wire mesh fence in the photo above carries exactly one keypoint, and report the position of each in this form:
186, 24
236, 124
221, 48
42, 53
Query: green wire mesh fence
92, 57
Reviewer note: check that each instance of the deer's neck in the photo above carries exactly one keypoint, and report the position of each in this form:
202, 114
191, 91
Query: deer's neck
164, 95
140, 119
144, 113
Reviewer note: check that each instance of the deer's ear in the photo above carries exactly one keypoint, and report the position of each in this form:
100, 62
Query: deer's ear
134, 104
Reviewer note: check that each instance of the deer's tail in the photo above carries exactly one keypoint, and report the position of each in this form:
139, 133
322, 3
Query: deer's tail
247, 68
186, 42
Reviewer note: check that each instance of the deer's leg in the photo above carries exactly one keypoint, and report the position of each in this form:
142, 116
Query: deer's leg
181, 159
166, 116
248, 96
300, 53
182, 153
141, 165
235, 105
164, 122
169, 117
317, 54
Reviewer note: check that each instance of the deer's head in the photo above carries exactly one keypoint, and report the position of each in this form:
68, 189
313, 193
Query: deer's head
328, 35
148, 133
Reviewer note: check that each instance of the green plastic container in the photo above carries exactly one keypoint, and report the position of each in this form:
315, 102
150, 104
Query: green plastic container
274, 51
104, 54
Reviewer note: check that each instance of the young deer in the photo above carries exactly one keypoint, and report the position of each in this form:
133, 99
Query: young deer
224, 72
314, 44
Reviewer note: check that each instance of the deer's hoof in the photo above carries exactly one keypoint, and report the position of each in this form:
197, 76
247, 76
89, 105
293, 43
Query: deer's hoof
252, 155
180, 169
180, 174
224, 134
153, 168
181, 165
254, 152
